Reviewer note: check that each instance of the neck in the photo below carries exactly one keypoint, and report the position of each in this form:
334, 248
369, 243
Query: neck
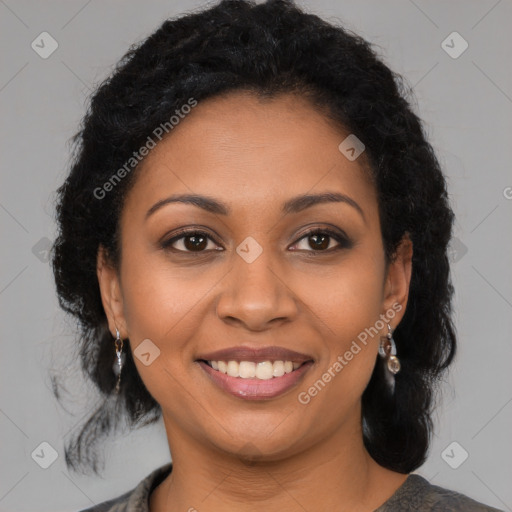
337, 473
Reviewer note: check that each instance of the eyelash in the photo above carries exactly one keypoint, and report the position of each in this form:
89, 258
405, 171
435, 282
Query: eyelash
344, 243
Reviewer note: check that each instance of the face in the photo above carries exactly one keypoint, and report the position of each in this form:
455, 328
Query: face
261, 275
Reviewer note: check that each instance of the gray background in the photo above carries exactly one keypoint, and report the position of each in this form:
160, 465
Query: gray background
466, 103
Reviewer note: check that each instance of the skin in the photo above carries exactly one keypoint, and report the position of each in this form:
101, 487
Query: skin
229, 453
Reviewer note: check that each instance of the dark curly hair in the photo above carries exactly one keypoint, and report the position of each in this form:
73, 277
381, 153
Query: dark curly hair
268, 48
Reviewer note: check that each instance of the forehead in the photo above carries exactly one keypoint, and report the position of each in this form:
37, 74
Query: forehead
252, 152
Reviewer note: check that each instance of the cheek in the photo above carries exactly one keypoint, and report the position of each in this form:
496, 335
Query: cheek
165, 305
348, 303
159, 298
165, 308
347, 300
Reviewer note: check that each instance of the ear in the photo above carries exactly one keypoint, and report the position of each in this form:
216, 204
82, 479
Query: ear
398, 279
111, 296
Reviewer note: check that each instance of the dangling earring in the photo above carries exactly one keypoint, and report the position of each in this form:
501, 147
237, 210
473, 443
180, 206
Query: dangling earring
118, 364
387, 350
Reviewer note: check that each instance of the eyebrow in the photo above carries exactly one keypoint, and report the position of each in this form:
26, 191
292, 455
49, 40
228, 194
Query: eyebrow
294, 205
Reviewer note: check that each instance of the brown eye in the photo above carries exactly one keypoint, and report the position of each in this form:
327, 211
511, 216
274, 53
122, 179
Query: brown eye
195, 242
189, 241
321, 240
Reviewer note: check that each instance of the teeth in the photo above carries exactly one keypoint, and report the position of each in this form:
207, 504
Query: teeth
233, 369
263, 370
247, 369
278, 369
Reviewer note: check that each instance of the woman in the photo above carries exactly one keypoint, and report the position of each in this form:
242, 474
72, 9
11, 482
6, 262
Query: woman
254, 236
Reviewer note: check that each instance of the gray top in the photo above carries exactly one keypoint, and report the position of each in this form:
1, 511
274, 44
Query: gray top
415, 494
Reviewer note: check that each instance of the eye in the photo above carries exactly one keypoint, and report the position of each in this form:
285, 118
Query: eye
191, 240
320, 240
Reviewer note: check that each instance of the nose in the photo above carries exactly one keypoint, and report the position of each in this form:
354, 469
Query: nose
256, 295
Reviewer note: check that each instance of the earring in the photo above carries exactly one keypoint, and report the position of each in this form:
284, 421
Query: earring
118, 364
387, 350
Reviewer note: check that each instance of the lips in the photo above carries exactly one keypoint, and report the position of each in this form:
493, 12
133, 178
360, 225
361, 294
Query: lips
256, 355
255, 374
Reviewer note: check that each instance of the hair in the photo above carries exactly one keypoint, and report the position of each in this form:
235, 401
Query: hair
268, 49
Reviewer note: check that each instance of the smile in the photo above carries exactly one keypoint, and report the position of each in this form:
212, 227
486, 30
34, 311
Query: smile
263, 370
270, 380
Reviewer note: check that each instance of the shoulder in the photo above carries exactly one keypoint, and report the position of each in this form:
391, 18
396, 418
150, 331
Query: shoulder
416, 493
136, 500
118, 504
